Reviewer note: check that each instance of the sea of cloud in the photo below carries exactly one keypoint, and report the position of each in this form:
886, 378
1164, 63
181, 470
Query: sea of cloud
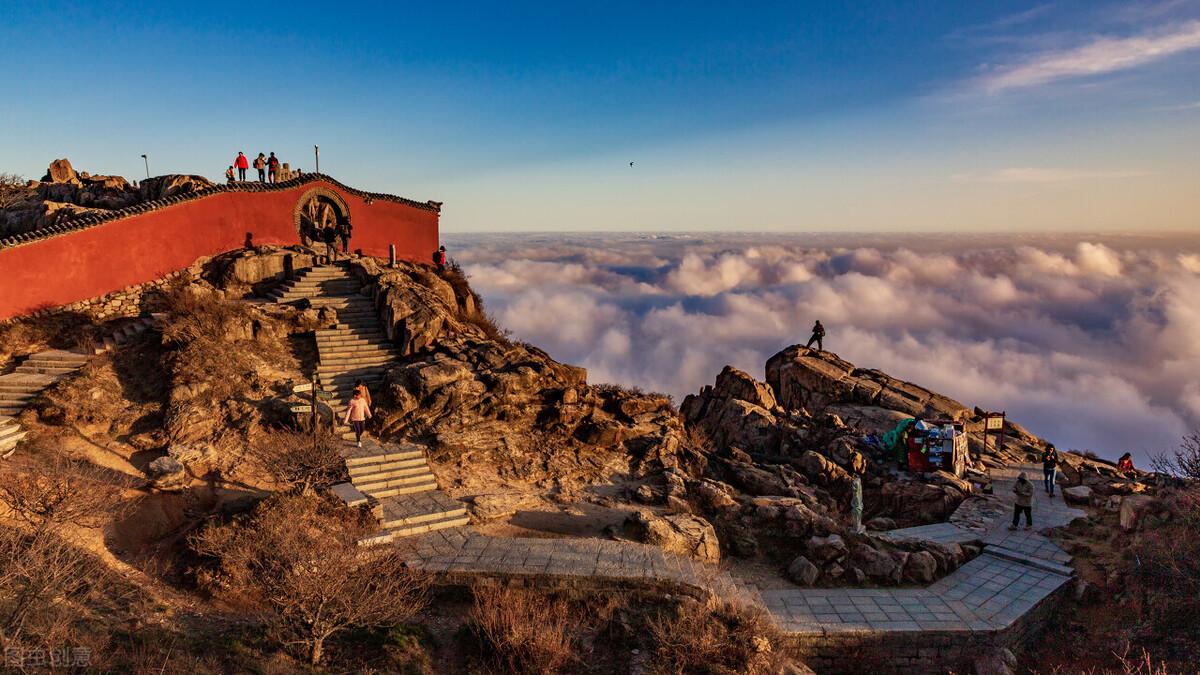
1092, 342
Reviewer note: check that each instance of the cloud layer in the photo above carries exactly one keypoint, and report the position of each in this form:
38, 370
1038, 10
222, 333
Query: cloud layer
1091, 343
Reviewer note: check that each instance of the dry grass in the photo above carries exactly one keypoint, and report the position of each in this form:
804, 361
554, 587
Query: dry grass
714, 637
524, 631
64, 330
480, 317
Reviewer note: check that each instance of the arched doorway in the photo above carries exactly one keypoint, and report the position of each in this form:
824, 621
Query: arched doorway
317, 209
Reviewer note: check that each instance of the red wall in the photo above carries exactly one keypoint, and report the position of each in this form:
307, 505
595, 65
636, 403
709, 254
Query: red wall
140, 248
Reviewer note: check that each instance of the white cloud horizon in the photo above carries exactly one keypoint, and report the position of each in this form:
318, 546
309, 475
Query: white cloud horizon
1087, 341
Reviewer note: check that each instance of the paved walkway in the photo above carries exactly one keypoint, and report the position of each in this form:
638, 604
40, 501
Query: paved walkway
1015, 572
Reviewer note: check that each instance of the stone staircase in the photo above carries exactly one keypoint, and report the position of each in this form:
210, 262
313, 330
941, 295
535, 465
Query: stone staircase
354, 349
43, 369
393, 480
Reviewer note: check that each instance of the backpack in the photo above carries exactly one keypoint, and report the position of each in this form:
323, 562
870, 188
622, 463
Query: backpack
273, 162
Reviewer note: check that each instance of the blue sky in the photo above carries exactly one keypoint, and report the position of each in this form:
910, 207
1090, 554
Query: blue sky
737, 116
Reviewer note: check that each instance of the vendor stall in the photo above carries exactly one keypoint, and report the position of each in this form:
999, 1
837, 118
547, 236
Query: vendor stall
937, 445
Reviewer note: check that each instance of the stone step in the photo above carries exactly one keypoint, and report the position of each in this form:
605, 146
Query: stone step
382, 476
421, 507
8, 445
9, 431
350, 343
6, 409
16, 397
337, 381
6, 420
349, 495
372, 468
373, 453
35, 362
21, 388
350, 362
430, 526
361, 351
45, 370
400, 489
27, 382
60, 355
344, 333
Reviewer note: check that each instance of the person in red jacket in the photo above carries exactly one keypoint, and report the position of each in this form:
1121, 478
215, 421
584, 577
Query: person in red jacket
1125, 465
273, 168
242, 164
439, 258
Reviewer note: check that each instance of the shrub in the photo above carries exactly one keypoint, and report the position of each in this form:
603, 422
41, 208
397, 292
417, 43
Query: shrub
524, 632
298, 461
296, 563
714, 637
1165, 570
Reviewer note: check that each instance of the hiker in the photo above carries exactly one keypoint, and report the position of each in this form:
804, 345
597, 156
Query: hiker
329, 236
439, 258
260, 163
229, 174
1024, 502
818, 333
343, 232
242, 164
361, 388
1050, 468
273, 167
1125, 465
357, 414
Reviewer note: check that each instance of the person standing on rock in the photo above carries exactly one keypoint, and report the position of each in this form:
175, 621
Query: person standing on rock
818, 334
273, 167
357, 414
242, 164
439, 258
1024, 502
1050, 468
343, 232
260, 163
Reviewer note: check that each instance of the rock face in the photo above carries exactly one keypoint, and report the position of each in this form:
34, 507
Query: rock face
737, 411
61, 172
683, 535
806, 378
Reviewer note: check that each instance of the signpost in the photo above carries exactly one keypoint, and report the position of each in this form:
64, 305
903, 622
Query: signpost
311, 408
993, 423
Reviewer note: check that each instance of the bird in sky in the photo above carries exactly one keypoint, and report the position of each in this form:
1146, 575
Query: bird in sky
631, 164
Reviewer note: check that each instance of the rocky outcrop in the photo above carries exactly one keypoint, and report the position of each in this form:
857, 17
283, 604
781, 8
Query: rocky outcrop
805, 378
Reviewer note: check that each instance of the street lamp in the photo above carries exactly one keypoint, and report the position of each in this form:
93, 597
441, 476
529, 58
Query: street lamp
317, 157
147, 160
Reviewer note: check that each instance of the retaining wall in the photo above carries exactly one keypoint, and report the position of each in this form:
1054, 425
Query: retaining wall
101, 254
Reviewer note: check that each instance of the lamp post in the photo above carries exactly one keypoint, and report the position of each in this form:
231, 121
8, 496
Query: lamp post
147, 161
317, 156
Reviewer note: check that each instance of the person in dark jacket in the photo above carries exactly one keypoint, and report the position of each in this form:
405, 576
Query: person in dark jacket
1050, 468
273, 167
1023, 502
343, 231
329, 236
818, 334
439, 258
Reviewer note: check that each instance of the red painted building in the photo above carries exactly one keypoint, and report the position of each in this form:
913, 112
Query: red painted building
97, 255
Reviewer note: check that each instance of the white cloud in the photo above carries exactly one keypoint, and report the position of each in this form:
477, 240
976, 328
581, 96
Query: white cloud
1047, 175
1101, 56
1088, 342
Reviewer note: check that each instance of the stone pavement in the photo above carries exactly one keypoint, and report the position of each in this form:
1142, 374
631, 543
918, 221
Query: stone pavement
1013, 575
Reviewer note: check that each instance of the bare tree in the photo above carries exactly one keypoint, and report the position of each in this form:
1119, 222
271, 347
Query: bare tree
299, 461
63, 492
297, 562
1184, 461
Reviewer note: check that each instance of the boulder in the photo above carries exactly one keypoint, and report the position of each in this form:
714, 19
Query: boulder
61, 171
877, 565
825, 549
1080, 494
921, 567
803, 572
820, 470
683, 535
881, 524
759, 482
1133, 507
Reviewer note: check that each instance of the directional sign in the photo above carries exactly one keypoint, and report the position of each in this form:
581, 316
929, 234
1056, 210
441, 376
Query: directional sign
301, 408
326, 395
301, 388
